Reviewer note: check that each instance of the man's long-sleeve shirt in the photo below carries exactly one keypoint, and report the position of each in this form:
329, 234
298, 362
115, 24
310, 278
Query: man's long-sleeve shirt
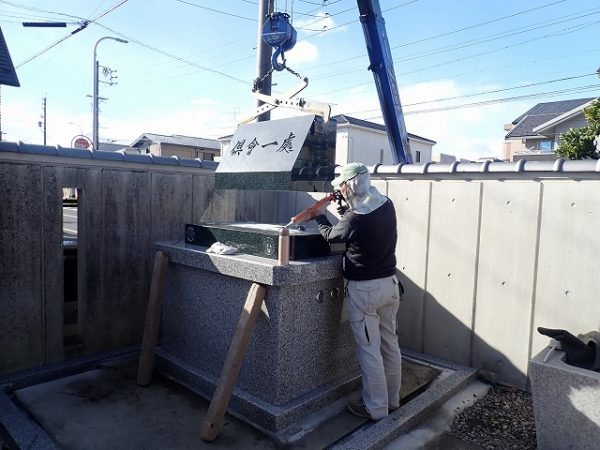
370, 241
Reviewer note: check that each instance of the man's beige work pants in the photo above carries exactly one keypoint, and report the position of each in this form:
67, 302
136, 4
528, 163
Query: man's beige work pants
372, 306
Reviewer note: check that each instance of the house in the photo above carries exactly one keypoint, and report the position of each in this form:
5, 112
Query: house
535, 134
176, 145
366, 142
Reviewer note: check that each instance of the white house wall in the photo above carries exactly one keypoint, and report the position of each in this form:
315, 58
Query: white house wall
369, 146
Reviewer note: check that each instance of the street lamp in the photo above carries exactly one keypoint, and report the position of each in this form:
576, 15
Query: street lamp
95, 97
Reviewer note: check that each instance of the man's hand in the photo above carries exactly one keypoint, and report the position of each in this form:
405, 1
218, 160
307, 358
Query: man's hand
342, 209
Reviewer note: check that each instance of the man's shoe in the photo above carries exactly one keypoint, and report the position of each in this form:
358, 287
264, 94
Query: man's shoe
358, 408
391, 408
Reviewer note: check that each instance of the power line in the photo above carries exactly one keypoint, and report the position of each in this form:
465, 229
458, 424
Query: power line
475, 72
170, 55
216, 10
64, 38
480, 24
33, 8
578, 89
506, 47
494, 91
29, 17
394, 7
213, 49
465, 44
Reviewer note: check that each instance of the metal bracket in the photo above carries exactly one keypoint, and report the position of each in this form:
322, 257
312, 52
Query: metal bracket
289, 100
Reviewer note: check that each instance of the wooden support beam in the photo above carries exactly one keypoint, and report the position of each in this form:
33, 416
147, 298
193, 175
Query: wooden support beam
152, 324
211, 427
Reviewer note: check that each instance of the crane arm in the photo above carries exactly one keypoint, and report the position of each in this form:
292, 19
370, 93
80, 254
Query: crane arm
381, 64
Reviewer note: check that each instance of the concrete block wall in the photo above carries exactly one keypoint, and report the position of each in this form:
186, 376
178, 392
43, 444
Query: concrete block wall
488, 256
487, 261
486, 252
124, 208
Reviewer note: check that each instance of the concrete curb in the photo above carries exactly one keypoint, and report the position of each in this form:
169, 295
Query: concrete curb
378, 435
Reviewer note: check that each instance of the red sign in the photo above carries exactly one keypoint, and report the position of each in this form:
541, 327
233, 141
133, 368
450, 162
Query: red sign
81, 142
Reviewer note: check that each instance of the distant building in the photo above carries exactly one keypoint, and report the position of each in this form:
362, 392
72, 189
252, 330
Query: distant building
176, 145
443, 158
535, 134
367, 142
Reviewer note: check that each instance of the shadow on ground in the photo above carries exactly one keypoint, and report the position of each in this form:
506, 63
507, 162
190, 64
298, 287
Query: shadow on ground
105, 408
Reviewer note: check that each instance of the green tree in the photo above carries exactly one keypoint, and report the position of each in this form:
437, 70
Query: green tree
578, 143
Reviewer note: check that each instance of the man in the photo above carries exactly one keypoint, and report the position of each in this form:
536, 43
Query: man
368, 228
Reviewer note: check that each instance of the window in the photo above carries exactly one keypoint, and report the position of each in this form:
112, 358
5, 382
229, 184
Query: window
417, 156
545, 145
208, 156
72, 263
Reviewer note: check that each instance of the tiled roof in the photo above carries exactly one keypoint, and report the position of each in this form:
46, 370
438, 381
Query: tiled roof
8, 75
554, 108
107, 147
527, 124
343, 118
458, 168
176, 139
542, 113
20, 147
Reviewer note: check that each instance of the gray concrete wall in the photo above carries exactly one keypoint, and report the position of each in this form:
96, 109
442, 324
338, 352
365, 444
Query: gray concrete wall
486, 254
486, 262
487, 258
124, 208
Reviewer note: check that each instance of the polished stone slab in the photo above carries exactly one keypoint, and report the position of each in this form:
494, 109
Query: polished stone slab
259, 239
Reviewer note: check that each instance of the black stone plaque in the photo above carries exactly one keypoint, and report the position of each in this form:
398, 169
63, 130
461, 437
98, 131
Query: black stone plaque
258, 239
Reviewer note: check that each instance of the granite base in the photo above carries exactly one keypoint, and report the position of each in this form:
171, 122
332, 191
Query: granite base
566, 402
299, 355
277, 421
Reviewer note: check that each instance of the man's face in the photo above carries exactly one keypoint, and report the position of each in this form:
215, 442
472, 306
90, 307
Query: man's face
344, 188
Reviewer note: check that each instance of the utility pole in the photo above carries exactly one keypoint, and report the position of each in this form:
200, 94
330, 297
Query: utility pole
95, 97
42, 122
263, 55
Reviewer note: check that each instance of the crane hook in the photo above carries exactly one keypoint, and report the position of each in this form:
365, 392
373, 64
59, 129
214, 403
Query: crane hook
276, 65
279, 34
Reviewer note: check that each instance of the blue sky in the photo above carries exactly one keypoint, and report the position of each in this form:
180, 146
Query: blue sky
464, 67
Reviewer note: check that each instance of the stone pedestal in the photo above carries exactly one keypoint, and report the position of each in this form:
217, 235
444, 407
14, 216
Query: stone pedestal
300, 356
566, 403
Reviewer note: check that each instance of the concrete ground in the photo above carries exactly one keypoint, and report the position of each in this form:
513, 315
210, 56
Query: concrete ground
432, 433
104, 408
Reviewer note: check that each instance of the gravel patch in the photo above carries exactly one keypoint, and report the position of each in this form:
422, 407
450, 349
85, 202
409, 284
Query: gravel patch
503, 419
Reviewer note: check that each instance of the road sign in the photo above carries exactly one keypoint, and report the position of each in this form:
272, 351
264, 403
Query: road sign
81, 142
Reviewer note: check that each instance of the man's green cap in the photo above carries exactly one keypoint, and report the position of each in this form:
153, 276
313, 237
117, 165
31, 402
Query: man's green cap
349, 171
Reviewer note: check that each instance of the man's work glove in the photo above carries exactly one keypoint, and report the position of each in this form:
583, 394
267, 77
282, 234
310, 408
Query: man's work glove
342, 209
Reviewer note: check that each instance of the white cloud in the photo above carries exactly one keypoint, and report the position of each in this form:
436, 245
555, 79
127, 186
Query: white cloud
201, 118
464, 132
303, 52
